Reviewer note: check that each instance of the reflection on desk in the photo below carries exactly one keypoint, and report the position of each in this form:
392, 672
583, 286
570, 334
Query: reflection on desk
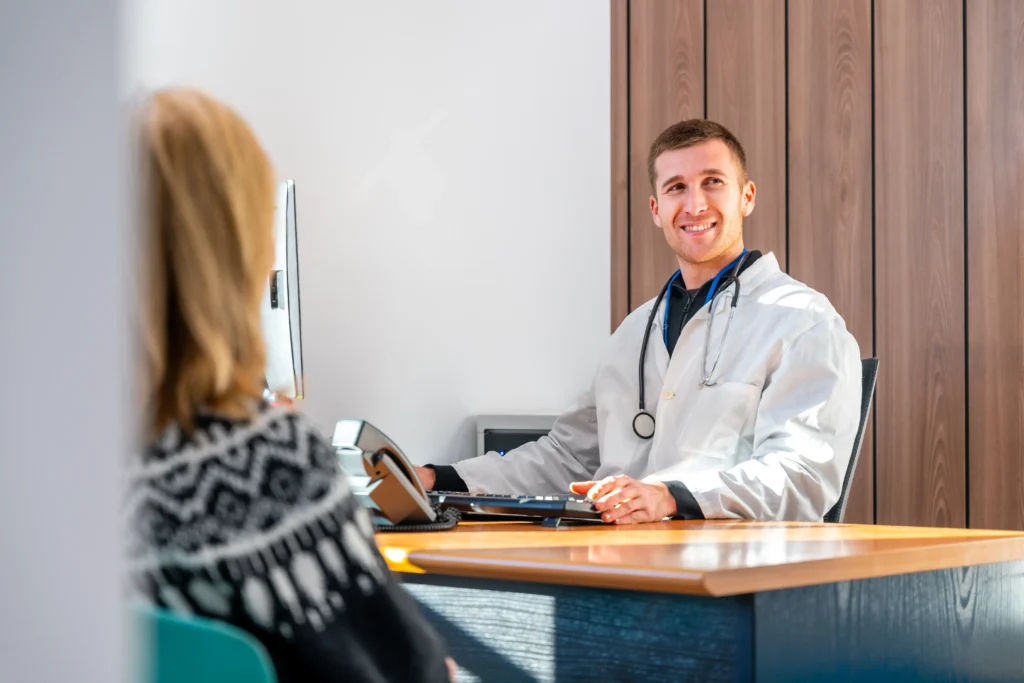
721, 601
702, 558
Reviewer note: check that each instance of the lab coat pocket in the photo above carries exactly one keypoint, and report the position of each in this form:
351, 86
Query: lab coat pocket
721, 422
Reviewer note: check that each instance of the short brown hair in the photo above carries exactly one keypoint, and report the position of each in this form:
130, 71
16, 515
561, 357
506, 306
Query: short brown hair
206, 253
693, 132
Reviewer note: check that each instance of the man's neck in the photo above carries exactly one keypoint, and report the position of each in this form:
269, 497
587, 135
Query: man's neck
696, 274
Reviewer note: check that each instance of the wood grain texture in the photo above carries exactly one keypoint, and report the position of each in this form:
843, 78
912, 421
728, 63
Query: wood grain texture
620, 161
715, 570
919, 262
504, 631
830, 237
995, 248
952, 625
746, 92
666, 53
703, 558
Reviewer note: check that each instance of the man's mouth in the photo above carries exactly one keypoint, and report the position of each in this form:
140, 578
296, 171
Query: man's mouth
696, 228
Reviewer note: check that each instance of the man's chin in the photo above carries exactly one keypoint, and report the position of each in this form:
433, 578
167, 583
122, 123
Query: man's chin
699, 258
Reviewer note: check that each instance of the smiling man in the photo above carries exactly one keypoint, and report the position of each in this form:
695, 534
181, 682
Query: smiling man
733, 394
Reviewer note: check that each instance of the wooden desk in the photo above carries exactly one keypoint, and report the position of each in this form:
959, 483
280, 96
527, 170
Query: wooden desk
710, 601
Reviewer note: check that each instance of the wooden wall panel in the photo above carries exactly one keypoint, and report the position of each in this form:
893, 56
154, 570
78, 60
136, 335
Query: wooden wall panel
995, 248
919, 262
830, 230
746, 92
874, 96
620, 161
666, 73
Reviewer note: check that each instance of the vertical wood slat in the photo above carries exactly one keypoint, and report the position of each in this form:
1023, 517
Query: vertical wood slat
666, 65
746, 92
919, 262
620, 161
830, 231
995, 248
920, 249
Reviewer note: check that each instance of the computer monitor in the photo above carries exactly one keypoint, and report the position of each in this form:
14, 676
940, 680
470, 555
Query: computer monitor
281, 312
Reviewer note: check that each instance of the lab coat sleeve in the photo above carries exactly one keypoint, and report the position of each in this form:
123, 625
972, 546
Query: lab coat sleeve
805, 427
568, 453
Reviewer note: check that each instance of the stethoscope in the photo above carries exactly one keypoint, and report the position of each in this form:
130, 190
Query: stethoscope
643, 422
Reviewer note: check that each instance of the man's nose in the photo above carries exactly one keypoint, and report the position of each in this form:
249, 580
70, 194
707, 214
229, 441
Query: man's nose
695, 203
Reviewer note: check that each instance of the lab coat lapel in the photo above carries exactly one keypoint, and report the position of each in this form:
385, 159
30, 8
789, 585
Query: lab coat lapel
750, 279
683, 356
657, 342
685, 364
671, 367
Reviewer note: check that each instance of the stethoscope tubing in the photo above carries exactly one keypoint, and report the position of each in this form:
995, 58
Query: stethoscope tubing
643, 422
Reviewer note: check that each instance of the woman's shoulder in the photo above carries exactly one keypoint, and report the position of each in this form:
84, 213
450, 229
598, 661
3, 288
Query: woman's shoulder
212, 433
250, 522
226, 483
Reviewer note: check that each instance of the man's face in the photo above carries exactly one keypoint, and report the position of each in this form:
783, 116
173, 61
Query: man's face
700, 202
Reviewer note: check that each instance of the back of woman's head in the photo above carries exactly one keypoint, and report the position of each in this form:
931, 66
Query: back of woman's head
207, 251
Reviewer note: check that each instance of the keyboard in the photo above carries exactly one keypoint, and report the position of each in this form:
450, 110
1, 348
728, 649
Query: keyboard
478, 504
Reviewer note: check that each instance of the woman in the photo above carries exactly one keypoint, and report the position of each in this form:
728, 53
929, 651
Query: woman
237, 510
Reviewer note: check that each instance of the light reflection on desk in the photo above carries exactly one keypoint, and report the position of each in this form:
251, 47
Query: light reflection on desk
707, 557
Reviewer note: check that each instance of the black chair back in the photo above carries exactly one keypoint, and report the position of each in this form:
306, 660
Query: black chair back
869, 371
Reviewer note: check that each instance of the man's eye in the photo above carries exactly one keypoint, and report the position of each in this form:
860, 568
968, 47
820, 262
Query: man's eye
677, 186
714, 181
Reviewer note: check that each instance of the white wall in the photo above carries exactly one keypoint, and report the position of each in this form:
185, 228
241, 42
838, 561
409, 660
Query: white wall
452, 162
63, 357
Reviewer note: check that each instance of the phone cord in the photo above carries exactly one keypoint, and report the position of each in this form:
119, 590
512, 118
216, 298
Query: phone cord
446, 519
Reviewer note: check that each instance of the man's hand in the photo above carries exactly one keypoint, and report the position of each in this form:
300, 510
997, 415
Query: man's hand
427, 476
624, 500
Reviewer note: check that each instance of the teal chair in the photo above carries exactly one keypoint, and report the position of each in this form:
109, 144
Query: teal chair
178, 649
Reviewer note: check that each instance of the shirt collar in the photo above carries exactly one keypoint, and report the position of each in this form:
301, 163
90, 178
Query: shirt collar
678, 288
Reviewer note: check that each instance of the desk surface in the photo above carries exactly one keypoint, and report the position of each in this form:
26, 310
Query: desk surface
703, 558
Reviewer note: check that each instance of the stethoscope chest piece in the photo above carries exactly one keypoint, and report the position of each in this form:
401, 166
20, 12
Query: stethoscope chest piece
643, 425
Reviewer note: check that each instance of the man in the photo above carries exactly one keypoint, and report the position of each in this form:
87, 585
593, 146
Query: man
753, 420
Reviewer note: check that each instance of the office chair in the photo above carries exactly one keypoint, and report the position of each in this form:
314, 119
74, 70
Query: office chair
177, 649
869, 371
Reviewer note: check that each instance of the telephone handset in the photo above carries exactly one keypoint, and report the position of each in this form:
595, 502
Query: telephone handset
398, 493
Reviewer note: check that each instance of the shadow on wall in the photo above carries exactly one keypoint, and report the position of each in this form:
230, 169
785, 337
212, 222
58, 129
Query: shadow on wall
462, 443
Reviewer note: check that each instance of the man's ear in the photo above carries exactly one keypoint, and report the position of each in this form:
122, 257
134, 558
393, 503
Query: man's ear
749, 197
655, 214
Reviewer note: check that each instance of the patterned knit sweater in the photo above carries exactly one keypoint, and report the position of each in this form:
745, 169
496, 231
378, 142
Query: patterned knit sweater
252, 523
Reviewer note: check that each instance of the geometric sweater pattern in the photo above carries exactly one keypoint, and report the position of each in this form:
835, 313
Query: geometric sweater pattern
252, 522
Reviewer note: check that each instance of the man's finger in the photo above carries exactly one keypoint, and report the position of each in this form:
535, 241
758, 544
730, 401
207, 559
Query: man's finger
612, 515
581, 487
607, 485
637, 517
616, 497
631, 505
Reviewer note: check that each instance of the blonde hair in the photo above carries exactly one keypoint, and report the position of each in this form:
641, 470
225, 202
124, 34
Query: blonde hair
207, 250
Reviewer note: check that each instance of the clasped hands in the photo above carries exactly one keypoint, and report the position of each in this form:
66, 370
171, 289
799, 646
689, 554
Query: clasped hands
620, 499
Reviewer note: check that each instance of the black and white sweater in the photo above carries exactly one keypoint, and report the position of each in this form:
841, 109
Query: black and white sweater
252, 523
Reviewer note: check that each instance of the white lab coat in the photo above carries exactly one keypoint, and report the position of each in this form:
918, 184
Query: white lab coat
770, 441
